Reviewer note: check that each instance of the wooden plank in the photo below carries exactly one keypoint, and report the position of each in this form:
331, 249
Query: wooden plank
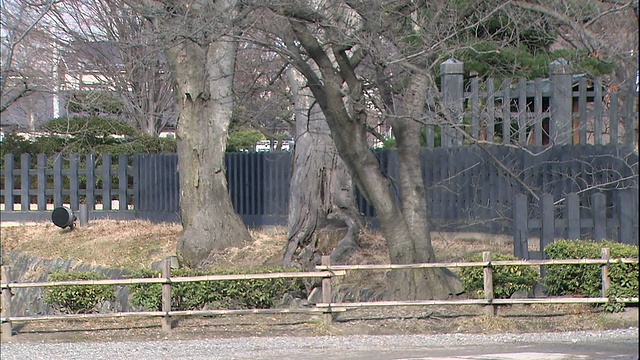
537, 103
123, 182
491, 112
547, 235
599, 211
430, 135
572, 212
42, 181
451, 184
598, 110
25, 181
613, 118
520, 227
484, 184
9, 164
90, 169
522, 111
506, 111
57, 181
136, 180
106, 181
475, 107
74, 185
582, 111
630, 111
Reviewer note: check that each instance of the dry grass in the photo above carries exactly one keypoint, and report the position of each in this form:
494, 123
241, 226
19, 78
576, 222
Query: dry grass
113, 243
138, 243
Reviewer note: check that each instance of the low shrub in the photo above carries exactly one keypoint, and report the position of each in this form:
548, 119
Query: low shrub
224, 294
78, 299
506, 279
586, 280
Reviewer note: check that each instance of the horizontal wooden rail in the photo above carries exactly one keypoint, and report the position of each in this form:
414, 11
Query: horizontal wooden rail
551, 300
479, 264
308, 310
132, 281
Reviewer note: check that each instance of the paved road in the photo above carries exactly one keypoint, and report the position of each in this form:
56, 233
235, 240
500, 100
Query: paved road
615, 344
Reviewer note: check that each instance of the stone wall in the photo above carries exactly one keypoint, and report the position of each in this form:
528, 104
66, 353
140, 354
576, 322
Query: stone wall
27, 268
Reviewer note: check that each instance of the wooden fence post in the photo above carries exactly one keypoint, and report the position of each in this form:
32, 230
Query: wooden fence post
606, 282
326, 290
487, 273
5, 311
166, 295
561, 102
452, 77
83, 215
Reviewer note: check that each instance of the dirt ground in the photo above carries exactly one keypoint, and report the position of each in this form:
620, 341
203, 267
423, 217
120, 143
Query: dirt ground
370, 321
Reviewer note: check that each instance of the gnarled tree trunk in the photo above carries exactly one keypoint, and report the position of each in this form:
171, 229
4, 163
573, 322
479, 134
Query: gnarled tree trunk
323, 219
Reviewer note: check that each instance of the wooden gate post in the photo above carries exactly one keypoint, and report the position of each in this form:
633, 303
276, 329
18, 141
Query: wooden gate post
606, 282
166, 295
487, 273
326, 291
5, 303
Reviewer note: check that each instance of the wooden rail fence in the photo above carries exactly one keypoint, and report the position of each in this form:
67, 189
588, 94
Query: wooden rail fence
326, 271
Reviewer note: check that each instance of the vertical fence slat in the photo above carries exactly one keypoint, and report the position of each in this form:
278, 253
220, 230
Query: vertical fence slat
25, 182
491, 112
90, 170
8, 182
42, 181
599, 211
106, 181
613, 118
548, 222
475, 108
598, 110
520, 227
629, 131
136, 182
57, 181
573, 216
73, 183
626, 214
506, 111
582, 110
123, 182
522, 111
537, 104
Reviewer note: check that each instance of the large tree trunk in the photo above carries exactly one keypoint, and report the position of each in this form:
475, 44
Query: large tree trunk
430, 283
203, 74
405, 231
323, 218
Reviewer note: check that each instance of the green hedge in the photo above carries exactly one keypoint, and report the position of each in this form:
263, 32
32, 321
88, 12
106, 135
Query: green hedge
224, 294
586, 280
506, 279
77, 299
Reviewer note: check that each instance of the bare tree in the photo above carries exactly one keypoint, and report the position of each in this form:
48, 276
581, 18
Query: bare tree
26, 49
120, 47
